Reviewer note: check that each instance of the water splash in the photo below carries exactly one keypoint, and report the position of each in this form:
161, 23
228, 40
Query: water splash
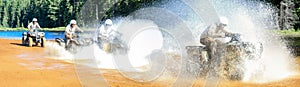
253, 19
57, 52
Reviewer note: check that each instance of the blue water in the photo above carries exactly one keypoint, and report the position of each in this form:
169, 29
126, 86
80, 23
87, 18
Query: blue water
18, 35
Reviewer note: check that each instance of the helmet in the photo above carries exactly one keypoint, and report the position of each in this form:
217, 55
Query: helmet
108, 22
224, 20
73, 22
34, 19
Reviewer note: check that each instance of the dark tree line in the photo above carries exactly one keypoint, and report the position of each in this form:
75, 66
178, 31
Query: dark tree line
50, 13
95, 11
57, 13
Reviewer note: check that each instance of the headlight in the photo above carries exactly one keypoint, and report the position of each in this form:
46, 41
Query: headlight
24, 33
41, 34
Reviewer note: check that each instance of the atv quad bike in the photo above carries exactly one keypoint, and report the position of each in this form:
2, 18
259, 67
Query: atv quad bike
29, 38
232, 58
75, 44
112, 43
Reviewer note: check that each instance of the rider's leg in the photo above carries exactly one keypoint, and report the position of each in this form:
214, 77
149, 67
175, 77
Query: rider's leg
67, 41
211, 46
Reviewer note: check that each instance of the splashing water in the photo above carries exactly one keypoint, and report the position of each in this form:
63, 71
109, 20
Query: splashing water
140, 47
253, 19
58, 52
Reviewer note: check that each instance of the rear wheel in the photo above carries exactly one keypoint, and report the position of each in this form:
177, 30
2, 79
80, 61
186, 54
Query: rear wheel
23, 40
30, 42
43, 42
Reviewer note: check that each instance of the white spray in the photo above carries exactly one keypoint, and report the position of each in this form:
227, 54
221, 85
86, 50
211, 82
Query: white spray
250, 18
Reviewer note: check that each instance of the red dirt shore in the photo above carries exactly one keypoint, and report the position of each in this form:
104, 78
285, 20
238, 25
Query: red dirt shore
22, 66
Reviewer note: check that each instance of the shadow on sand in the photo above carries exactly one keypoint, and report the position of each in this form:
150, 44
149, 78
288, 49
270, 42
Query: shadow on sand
18, 44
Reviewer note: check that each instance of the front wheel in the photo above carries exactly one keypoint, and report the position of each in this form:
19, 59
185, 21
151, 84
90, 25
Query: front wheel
107, 47
72, 47
30, 42
43, 42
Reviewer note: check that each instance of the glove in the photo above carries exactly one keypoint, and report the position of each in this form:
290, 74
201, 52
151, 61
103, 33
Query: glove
229, 34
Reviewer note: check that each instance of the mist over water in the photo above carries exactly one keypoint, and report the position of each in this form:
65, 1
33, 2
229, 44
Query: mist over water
253, 19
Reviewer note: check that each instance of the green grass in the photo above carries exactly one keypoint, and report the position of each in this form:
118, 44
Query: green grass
292, 36
296, 43
43, 29
25, 29
288, 33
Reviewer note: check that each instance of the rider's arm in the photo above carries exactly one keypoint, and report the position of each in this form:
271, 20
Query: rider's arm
29, 26
67, 31
227, 33
219, 36
38, 26
102, 31
79, 29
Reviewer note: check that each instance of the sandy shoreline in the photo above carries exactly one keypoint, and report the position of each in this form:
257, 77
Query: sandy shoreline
25, 67
22, 66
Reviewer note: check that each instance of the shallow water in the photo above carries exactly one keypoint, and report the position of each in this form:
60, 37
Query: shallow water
18, 35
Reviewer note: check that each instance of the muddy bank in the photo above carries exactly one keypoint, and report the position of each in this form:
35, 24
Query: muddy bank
22, 66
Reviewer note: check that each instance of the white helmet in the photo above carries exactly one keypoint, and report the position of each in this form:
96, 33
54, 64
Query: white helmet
224, 20
108, 22
34, 19
73, 22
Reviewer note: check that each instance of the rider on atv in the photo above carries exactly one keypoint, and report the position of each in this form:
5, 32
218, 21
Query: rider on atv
70, 31
109, 38
33, 25
33, 36
210, 36
105, 30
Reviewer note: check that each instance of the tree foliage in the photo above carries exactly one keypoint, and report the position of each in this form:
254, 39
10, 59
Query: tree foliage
57, 13
50, 13
287, 21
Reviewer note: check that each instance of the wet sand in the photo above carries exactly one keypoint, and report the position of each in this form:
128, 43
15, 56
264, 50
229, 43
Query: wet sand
22, 66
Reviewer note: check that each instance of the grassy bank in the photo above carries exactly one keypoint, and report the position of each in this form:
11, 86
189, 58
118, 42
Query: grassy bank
25, 29
43, 29
288, 33
292, 38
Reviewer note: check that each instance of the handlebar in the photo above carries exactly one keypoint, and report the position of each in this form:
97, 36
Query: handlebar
235, 37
